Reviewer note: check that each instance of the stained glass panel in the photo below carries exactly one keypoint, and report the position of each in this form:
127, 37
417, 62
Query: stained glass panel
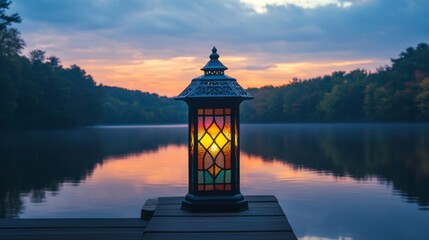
207, 122
208, 161
220, 160
219, 111
200, 177
227, 149
201, 130
213, 130
220, 177
208, 177
206, 140
201, 152
227, 176
214, 149
219, 121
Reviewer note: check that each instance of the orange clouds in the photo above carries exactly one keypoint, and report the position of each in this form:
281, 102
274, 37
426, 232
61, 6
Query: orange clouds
169, 76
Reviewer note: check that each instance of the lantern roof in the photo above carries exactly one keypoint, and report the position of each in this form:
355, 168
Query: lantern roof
214, 64
214, 83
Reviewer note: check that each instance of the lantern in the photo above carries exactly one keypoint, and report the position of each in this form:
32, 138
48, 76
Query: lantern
214, 159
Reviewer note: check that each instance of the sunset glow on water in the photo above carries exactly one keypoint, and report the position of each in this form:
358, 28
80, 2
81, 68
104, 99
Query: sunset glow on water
320, 204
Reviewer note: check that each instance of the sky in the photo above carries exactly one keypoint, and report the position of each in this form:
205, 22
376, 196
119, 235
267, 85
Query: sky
160, 45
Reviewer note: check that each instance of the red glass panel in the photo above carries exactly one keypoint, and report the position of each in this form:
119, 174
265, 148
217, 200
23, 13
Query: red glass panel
227, 111
219, 121
200, 129
208, 121
228, 187
208, 161
219, 111
227, 152
209, 111
209, 187
227, 127
220, 187
201, 152
200, 111
200, 187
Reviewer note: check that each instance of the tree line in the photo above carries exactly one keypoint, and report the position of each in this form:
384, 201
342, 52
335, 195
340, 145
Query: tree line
396, 93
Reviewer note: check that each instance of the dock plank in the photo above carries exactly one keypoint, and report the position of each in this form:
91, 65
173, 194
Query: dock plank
73, 223
221, 224
72, 234
223, 236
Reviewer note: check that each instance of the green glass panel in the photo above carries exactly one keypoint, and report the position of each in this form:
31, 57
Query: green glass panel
220, 177
227, 176
200, 177
208, 177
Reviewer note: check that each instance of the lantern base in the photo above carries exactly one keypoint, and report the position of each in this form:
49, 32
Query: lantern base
226, 203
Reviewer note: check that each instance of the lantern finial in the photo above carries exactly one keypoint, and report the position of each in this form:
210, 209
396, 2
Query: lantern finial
214, 54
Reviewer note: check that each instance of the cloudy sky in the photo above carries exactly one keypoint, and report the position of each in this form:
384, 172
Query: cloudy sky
160, 45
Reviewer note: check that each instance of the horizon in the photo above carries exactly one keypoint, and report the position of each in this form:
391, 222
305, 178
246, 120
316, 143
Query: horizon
159, 47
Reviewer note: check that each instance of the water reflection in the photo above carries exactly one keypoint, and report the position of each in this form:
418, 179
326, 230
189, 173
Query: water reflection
395, 153
35, 162
35, 165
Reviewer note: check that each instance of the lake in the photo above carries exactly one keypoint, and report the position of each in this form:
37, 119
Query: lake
334, 181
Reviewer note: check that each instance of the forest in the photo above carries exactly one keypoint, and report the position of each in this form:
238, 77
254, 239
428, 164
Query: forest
396, 93
37, 92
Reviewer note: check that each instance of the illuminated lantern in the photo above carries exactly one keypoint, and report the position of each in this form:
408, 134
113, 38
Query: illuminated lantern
214, 159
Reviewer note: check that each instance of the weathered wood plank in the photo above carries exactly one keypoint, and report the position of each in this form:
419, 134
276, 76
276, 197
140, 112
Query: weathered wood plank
250, 198
74, 223
222, 236
261, 198
251, 205
174, 210
218, 224
72, 234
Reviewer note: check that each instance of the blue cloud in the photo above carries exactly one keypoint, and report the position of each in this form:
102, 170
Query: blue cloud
371, 28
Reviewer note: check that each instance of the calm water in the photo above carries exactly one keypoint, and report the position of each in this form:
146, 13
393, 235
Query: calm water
333, 181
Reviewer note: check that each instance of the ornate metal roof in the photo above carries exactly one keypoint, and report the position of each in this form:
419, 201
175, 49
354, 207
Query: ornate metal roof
214, 83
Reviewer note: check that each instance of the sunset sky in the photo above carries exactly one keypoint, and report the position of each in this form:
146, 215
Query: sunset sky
159, 46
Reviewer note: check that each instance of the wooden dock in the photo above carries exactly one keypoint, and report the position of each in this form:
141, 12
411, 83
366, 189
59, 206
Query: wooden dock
264, 220
72, 229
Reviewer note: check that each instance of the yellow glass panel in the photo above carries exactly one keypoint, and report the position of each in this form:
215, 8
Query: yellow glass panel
214, 150
227, 127
216, 170
221, 140
236, 134
213, 130
192, 140
206, 140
